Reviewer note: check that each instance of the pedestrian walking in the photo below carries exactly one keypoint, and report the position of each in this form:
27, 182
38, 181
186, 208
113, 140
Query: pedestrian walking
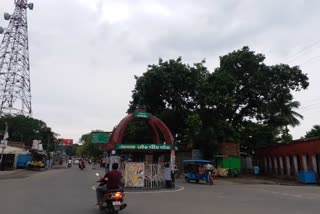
94, 164
48, 163
107, 163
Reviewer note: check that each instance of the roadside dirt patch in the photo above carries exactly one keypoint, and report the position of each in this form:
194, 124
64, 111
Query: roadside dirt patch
262, 180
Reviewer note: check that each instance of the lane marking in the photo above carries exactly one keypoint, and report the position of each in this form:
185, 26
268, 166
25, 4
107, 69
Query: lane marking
181, 188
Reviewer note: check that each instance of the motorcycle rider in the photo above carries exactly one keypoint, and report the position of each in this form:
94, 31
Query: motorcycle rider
82, 163
209, 171
70, 161
111, 180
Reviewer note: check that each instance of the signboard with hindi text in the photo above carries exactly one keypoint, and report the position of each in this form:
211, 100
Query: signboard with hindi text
144, 147
144, 115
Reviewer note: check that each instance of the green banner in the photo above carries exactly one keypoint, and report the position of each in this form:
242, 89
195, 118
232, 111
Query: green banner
144, 115
144, 147
100, 137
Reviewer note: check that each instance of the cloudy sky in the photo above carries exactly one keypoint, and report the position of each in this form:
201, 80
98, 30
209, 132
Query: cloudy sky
84, 53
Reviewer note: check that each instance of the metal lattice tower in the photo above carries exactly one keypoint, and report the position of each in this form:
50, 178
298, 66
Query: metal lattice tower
15, 87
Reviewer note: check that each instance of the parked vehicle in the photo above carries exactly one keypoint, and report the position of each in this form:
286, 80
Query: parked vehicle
76, 161
195, 170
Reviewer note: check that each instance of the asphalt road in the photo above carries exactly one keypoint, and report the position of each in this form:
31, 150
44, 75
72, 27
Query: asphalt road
70, 191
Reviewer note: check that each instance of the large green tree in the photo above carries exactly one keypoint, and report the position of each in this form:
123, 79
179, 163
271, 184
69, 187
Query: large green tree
26, 129
168, 90
72, 150
243, 100
244, 90
88, 149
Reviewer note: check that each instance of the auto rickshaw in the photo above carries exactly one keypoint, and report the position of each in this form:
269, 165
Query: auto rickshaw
194, 170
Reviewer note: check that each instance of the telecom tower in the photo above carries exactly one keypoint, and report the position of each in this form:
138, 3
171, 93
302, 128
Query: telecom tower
15, 87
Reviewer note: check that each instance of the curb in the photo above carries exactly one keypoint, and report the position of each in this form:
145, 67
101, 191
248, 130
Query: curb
178, 188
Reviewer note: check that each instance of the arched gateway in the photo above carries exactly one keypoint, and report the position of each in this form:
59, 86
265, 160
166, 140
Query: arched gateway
148, 171
154, 122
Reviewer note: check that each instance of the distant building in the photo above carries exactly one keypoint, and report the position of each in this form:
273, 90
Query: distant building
289, 159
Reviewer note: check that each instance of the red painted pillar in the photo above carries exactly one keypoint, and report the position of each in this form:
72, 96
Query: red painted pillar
311, 162
284, 165
271, 165
270, 168
265, 164
274, 165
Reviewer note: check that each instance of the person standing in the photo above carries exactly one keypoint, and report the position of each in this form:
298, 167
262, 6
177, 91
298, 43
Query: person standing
48, 162
94, 163
107, 163
168, 175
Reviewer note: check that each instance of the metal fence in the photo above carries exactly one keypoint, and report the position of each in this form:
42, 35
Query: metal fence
154, 176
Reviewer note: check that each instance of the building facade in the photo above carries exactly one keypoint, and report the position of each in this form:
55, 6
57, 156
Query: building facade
289, 159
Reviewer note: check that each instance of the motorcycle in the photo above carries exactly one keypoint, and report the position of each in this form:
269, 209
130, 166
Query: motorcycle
69, 165
112, 200
81, 166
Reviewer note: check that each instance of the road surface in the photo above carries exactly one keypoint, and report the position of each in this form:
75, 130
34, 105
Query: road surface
70, 191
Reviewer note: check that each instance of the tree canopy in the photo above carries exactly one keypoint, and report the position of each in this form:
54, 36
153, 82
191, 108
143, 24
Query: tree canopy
243, 100
73, 150
138, 132
26, 129
88, 149
314, 132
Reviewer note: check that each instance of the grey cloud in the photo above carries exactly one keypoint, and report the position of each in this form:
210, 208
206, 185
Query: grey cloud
210, 28
82, 70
